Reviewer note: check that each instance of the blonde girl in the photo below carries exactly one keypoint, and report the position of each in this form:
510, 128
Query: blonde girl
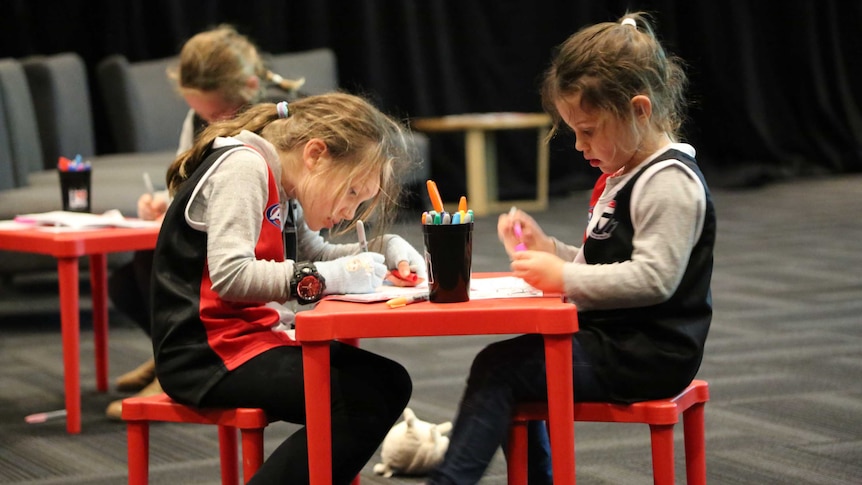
221, 334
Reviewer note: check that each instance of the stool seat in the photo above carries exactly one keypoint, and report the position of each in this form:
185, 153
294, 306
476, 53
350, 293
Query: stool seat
160, 407
661, 415
138, 412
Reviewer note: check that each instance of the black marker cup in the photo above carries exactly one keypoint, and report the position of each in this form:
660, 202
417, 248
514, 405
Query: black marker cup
75, 190
449, 257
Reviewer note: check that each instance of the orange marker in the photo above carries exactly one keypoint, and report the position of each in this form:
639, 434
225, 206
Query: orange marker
406, 300
434, 194
462, 204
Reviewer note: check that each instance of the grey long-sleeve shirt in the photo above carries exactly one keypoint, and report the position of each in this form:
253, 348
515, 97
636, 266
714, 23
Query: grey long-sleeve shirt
668, 207
228, 206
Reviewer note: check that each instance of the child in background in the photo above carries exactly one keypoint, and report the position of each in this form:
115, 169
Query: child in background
641, 279
221, 336
219, 73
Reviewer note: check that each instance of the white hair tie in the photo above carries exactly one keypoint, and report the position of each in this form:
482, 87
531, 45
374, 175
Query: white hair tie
630, 21
282, 110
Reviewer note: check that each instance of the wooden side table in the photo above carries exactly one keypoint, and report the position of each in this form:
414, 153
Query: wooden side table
481, 155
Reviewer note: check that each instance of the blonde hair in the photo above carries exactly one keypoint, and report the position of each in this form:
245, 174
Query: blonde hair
610, 63
360, 139
222, 59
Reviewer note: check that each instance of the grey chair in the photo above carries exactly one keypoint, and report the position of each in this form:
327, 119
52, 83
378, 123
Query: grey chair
20, 147
61, 98
144, 109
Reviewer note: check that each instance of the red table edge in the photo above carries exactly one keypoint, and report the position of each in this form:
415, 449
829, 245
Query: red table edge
78, 243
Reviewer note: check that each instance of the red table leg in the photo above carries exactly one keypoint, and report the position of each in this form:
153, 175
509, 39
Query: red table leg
315, 363
558, 360
67, 269
99, 287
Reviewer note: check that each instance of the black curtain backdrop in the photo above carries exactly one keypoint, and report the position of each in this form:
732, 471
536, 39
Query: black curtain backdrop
776, 87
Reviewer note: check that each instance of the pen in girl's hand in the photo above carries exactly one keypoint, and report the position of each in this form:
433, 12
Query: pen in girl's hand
148, 184
360, 233
518, 231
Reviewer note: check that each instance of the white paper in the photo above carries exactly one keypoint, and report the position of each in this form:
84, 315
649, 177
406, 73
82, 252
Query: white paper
501, 287
82, 220
480, 289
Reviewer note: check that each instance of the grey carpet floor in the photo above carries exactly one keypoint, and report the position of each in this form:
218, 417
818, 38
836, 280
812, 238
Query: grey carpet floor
783, 360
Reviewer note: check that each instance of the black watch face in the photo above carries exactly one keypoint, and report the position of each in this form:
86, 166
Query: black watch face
309, 288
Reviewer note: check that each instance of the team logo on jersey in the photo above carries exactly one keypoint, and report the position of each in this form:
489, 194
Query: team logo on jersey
606, 223
273, 215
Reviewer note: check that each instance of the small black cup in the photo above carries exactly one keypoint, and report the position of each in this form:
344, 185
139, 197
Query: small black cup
449, 257
75, 190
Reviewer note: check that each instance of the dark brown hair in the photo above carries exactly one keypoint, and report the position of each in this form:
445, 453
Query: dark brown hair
609, 63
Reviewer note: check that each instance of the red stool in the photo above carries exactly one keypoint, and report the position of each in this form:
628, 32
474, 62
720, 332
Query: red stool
139, 411
661, 415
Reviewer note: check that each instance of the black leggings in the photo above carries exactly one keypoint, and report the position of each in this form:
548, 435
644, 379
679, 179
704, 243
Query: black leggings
129, 288
369, 393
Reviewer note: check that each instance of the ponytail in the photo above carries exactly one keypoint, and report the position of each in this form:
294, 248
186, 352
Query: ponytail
253, 119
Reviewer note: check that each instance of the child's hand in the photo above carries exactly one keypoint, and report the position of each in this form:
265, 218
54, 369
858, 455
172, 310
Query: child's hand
541, 270
151, 208
403, 276
532, 235
358, 273
406, 264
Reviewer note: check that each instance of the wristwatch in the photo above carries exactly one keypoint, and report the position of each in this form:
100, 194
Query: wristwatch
307, 285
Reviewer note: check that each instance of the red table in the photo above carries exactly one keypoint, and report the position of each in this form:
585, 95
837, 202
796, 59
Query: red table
331, 319
67, 246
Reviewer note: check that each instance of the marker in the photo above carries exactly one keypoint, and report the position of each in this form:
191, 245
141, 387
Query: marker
412, 277
406, 300
447, 219
434, 194
518, 231
148, 184
462, 204
44, 417
360, 233
63, 164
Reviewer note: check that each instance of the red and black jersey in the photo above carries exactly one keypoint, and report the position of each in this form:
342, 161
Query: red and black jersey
197, 336
654, 351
